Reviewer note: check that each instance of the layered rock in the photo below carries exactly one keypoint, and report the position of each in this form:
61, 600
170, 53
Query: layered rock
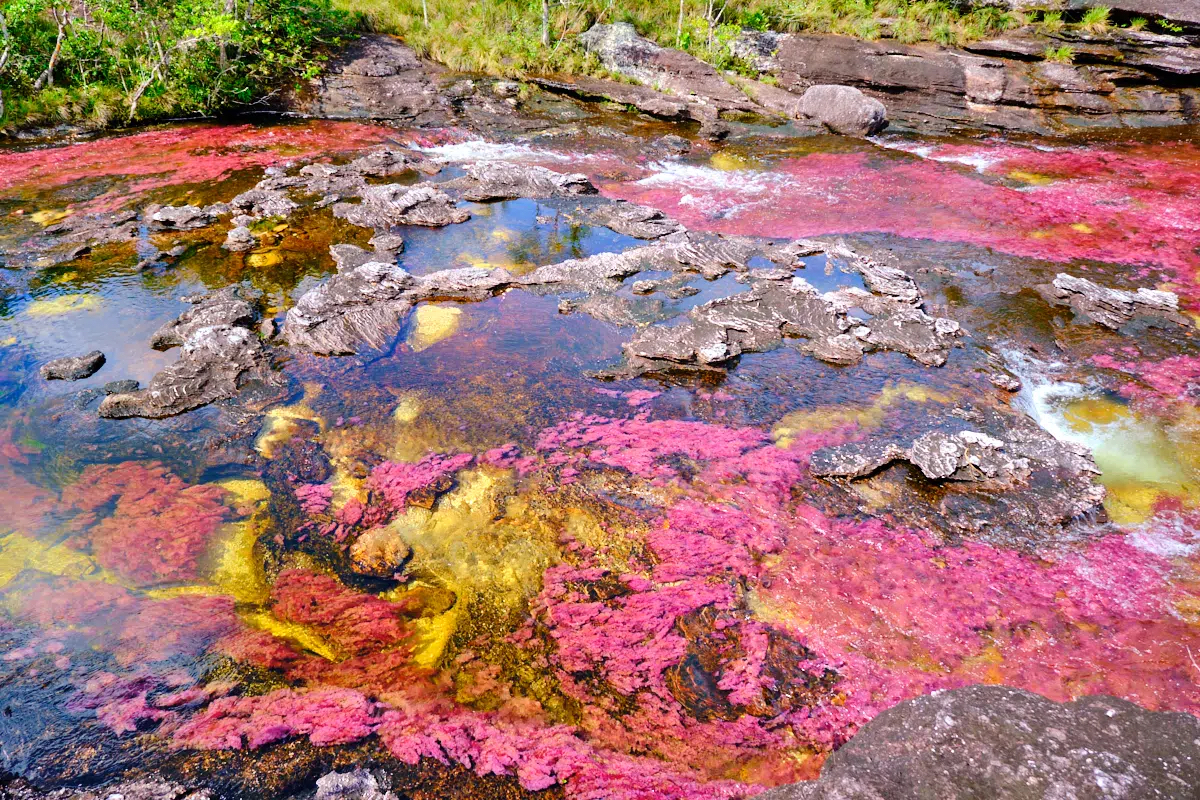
395, 204
637, 221
364, 305
1112, 308
1125, 78
993, 741
220, 353
503, 180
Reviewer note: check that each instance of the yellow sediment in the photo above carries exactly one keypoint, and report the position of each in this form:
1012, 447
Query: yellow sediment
264, 258
432, 324
19, 552
292, 632
826, 418
408, 409
49, 216
62, 304
279, 426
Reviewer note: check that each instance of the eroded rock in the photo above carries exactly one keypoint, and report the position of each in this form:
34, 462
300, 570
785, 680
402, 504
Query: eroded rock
394, 204
181, 218
364, 305
1112, 308
998, 742
843, 109
637, 221
73, 368
503, 180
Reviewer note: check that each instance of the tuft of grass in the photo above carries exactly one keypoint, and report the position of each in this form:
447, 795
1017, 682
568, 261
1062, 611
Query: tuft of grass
1138, 23
1060, 55
1095, 20
1051, 21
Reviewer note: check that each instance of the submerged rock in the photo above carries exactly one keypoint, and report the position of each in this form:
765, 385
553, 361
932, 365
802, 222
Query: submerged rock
379, 553
1112, 308
364, 305
73, 368
358, 784
233, 306
843, 109
997, 742
239, 238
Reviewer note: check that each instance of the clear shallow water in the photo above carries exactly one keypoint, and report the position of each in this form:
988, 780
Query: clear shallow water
628, 587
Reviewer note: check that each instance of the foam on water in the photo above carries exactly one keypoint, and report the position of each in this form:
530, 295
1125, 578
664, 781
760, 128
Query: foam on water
481, 150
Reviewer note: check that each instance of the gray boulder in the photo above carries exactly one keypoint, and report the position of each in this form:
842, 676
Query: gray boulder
997, 743
363, 305
73, 368
844, 110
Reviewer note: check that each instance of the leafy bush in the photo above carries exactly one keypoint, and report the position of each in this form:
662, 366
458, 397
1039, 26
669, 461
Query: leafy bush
97, 61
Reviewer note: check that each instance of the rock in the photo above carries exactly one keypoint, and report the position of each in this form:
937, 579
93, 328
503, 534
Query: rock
844, 110
637, 221
644, 287
1006, 382
388, 161
1124, 78
503, 180
394, 204
358, 784
379, 553
1112, 308
998, 742
181, 218
152, 788
375, 77
121, 386
73, 368
644, 99
506, 88
349, 256
239, 238
219, 355
262, 203
463, 283
388, 243
675, 144
621, 50
1002, 479
214, 363
365, 305
232, 306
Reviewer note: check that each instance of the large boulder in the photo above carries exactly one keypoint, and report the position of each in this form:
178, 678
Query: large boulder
997, 743
844, 110
73, 368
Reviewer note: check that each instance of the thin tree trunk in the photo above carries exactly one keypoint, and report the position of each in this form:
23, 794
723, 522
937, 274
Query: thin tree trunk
545, 23
4, 55
425, 11
679, 27
46, 79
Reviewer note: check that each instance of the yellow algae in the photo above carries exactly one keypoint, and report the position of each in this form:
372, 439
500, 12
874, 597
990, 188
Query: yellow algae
503, 235
1042, 234
9, 342
62, 304
1140, 465
431, 637
66, 277
280, 426
1034, 178
19, 553
1082, 227
246, 490
264, 258
432, 324
236, 570
50, 216
726, 161
408, 409
301, 635
283, 226
826, 418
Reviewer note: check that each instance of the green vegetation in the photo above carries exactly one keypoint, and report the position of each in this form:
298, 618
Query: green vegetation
1095, 20
98, 62
1060, 55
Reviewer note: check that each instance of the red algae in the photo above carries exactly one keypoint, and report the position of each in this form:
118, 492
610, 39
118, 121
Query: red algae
1137, 206
1159, 383
158, 527
395, 481
178, 155
354, 622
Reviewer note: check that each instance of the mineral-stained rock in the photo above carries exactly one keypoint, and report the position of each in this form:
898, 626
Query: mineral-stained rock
637, 221
379, 553
219, 354
73, 368
503, 180
233, 306
843, 109
395, 204
365, 305
998, 742
181, 218
1112, 308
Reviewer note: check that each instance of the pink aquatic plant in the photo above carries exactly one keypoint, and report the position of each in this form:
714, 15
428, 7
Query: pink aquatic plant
354, 622
158, 526
1159, 383
395, 481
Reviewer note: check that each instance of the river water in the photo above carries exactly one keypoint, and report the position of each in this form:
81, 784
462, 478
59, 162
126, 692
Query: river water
626, 589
